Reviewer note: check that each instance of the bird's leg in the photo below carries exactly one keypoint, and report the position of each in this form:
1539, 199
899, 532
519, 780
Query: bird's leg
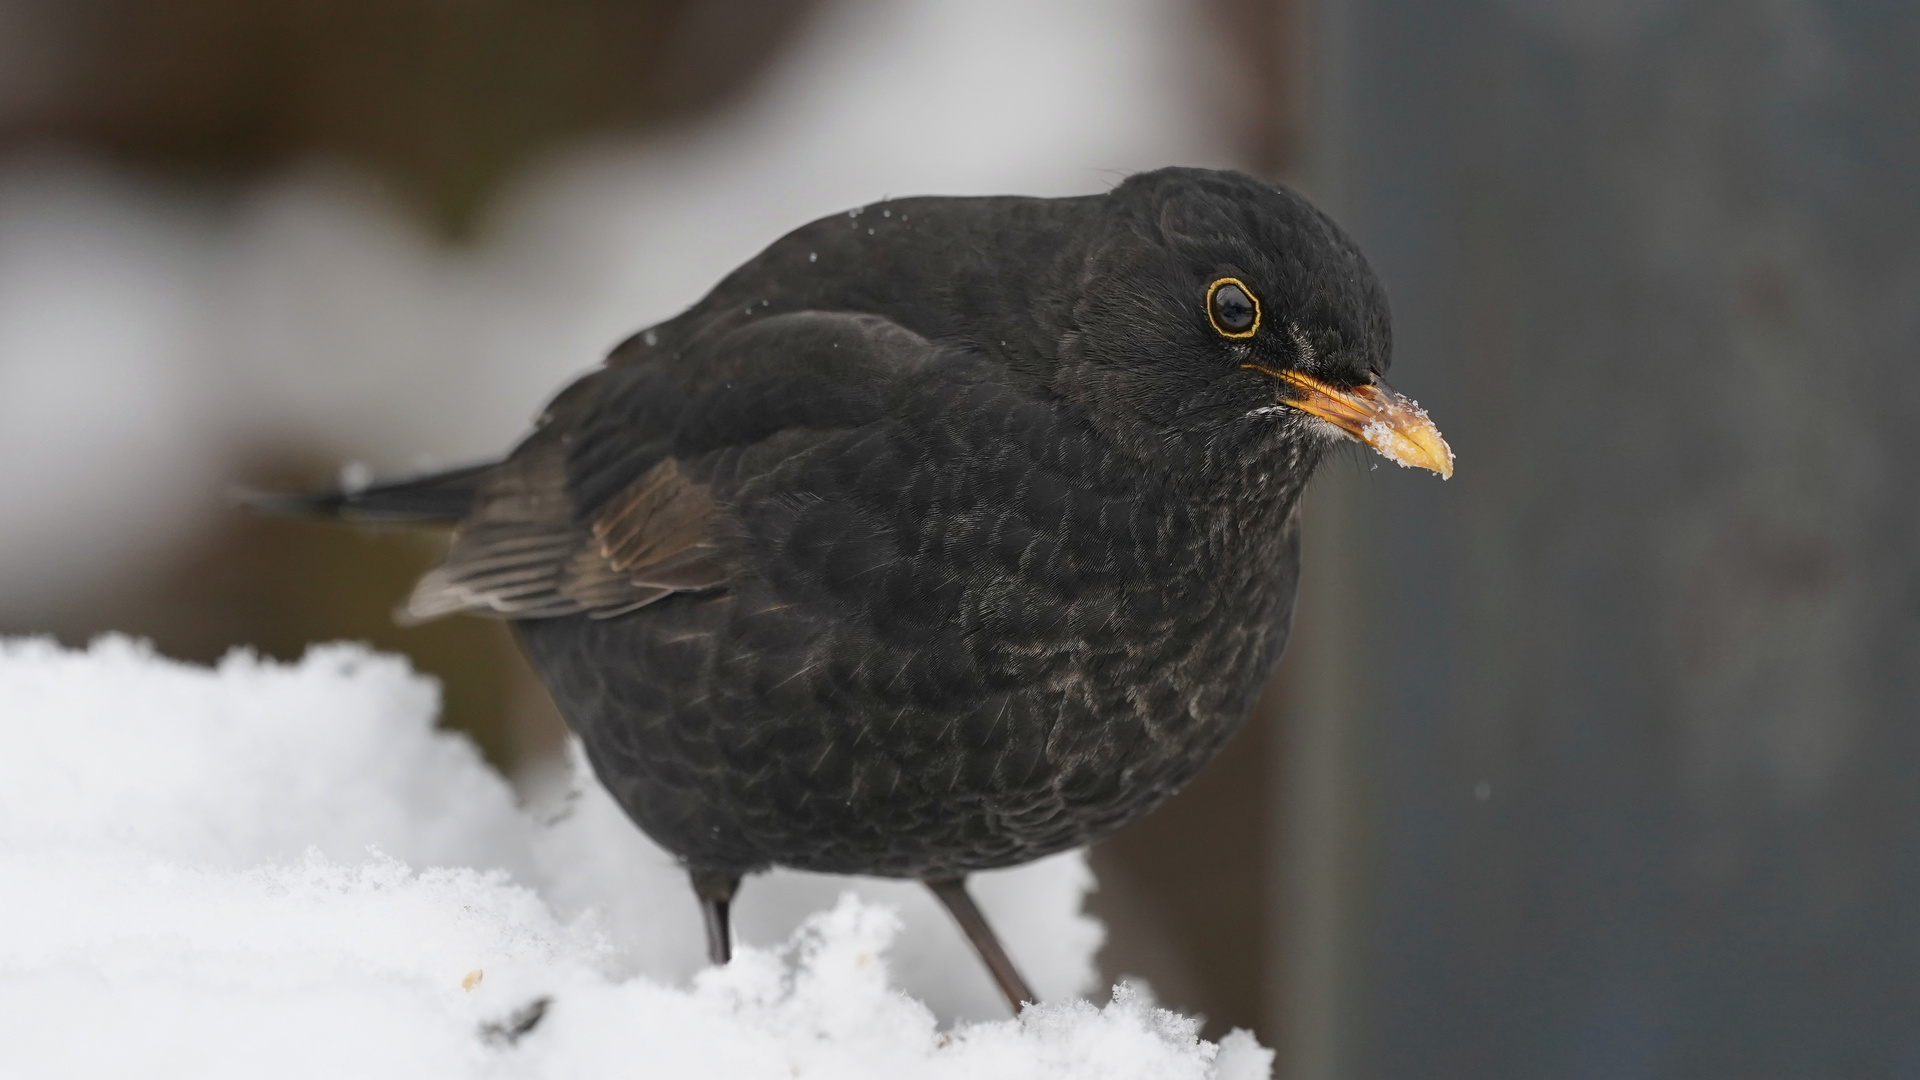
953, 893
715, 891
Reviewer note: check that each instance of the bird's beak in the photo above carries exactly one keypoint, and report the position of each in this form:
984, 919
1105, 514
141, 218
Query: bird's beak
1384, 420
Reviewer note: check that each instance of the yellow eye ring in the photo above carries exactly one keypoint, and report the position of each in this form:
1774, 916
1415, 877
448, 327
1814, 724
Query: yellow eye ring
1230, 309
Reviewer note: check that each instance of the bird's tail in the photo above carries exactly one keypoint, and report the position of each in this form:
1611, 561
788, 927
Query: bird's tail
437, 499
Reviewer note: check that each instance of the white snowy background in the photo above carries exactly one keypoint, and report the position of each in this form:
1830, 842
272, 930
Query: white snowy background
148, 336
286, 871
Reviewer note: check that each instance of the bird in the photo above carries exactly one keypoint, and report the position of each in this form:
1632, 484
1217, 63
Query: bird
945, 534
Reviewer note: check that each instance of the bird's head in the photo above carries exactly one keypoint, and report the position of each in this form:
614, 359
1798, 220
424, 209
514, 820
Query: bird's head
1213, 310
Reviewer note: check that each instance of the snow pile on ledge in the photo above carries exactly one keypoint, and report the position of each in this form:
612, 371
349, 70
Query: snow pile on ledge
267, 870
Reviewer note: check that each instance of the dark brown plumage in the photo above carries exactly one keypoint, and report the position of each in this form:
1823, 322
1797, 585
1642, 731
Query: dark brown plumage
943, 535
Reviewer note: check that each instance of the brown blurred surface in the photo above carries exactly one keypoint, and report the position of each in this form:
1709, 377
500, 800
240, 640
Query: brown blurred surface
1267, 44
440, 99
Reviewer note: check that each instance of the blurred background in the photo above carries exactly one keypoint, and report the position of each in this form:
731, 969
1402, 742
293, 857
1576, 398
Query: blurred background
1601, 760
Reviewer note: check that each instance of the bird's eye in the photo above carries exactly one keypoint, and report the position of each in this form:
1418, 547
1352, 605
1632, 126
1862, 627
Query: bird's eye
1232, 308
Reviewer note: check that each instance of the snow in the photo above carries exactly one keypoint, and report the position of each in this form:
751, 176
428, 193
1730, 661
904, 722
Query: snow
285, 870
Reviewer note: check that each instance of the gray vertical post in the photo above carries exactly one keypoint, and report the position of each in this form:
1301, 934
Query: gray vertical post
1640, 687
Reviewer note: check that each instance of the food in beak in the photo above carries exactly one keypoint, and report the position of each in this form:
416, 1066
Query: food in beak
1391, 423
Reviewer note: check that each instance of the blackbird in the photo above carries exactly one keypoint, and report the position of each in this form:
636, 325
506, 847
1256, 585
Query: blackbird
944, 534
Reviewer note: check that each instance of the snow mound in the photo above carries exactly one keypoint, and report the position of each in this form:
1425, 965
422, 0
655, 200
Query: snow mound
211, 873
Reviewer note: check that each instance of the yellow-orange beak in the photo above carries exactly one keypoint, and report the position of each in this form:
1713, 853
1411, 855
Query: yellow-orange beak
1394, 425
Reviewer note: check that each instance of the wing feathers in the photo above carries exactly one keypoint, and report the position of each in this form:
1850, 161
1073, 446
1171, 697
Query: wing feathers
595, 512
661, 515
521, 557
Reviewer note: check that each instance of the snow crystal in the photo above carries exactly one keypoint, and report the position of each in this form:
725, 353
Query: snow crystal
356, 476
264, 869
